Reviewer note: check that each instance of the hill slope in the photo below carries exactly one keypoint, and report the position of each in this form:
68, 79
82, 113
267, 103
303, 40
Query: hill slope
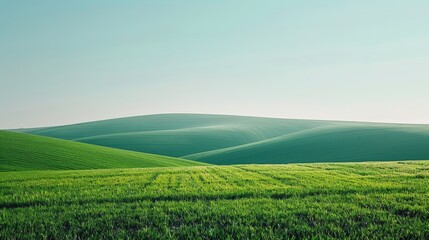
265, 127
223, 139
329, 144
20, 151
177, 134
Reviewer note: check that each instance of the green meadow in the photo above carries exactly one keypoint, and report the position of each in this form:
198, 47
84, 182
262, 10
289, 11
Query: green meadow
117, 120
106, 179
386, 200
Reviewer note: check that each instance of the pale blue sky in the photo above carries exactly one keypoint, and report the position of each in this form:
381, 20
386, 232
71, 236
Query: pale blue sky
72, 61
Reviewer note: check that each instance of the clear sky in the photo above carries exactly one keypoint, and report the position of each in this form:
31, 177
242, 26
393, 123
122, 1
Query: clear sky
72, 61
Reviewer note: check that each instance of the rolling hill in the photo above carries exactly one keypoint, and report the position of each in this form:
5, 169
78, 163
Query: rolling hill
177, 134
221, 139
329, 144
20, 152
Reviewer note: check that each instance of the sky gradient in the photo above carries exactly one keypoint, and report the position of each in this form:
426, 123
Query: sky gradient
65, 62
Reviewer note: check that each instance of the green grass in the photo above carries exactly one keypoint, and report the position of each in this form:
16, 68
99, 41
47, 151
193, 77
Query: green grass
220, 139
319, 201
20, 151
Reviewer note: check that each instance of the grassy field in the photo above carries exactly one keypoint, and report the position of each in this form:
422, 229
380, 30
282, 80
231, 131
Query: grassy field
20, 151
219, 139
358, 201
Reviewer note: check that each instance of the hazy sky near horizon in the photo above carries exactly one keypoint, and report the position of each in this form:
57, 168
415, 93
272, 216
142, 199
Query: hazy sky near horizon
65, 62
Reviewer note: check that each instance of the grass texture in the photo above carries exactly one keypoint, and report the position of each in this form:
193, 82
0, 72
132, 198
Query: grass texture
297, 201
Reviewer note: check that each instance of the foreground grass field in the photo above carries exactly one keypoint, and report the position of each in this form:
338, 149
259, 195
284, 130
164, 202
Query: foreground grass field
364, 201
20, 152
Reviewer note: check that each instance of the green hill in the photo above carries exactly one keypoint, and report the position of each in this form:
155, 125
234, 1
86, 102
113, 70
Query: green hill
221, 139
264, 127
20, 151
329, 144
177, 134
